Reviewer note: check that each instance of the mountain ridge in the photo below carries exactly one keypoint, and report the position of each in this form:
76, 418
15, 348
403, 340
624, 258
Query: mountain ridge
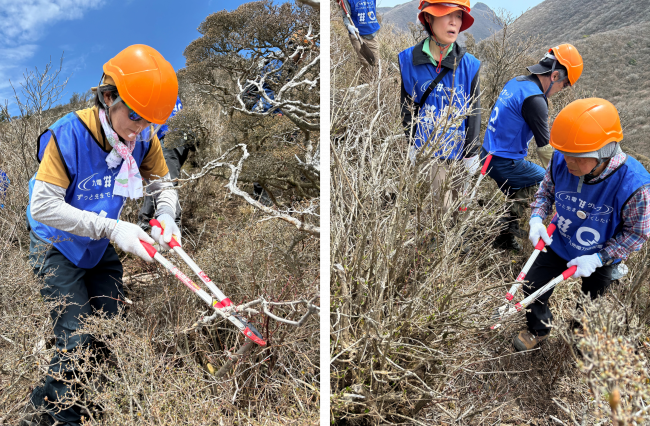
485, 20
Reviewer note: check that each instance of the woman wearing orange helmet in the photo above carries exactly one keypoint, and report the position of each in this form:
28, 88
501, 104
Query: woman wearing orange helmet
430, 87
91, 161
521, 112
602, 199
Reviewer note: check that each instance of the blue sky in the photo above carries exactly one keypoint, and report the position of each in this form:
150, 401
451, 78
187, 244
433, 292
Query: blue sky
516, 7
91, 32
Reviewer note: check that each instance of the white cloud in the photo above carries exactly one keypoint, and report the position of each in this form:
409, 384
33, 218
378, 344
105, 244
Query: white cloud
23, 24
11, 60
27, 19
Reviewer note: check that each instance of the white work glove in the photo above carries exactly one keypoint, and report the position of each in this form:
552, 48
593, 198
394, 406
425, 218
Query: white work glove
413, 153
127, 237
170, 228
537, 231
586, 264
472, 164
353, 30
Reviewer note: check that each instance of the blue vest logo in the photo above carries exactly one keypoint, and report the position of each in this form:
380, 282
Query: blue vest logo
587, 242
494, 116
102, 187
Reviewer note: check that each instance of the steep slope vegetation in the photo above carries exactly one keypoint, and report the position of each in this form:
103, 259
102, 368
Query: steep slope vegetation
613, 38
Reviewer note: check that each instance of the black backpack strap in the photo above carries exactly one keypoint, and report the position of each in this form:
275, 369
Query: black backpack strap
433, 84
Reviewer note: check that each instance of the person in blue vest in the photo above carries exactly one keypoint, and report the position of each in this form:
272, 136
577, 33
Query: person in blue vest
4, 185
174, 158
433, 72
602, 199
91, 161
364, 25
519, 114
272, 68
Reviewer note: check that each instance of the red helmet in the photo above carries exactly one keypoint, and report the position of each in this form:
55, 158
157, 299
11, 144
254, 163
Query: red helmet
445, 7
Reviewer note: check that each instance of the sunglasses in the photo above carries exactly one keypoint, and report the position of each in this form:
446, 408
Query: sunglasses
133, 116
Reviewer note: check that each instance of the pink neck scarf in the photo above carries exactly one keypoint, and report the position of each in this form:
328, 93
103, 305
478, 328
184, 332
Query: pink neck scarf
128, 182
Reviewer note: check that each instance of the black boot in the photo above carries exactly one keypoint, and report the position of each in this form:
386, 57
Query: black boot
515, 230
507, 241
36, 412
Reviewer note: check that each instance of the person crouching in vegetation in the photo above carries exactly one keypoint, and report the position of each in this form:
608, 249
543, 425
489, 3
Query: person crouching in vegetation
602, 198
437, 73
91, 160
521, 112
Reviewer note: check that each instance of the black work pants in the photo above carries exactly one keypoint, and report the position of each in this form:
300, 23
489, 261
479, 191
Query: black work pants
175, 158
85, 291
546, 267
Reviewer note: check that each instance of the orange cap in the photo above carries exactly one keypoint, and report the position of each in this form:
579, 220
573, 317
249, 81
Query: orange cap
445, 7
568, 55
145, 81
586, 125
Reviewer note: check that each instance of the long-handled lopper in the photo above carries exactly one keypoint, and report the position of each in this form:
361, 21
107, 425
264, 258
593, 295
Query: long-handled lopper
365, 50
531, 298
538, 248
522, 275
222, 301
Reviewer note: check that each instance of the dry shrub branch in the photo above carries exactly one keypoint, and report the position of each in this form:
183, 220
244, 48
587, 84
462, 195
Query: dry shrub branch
413, 288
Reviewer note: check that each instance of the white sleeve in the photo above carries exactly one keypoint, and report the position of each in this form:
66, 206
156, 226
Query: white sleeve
167, 198
48, 206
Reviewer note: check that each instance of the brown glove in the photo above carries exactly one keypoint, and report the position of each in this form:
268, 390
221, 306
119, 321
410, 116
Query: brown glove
545, 153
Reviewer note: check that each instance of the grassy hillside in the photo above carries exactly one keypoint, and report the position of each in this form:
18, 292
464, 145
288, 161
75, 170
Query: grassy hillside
558, 21
613, 38
621, 77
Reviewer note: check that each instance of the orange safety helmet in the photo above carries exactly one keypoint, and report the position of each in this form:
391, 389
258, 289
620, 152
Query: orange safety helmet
445, 7
145, 81
586, 125
568, 55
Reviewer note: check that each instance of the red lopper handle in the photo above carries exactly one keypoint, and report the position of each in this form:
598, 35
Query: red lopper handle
486, 164
551, 229
155, 224
151, 251
572, 270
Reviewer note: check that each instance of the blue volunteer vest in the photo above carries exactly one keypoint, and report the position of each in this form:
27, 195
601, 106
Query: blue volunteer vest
91, 187
163, 129
602, 203
507, 134
4, 184
416, 80
364, 16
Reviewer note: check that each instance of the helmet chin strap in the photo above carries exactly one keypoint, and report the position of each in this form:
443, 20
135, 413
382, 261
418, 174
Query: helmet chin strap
589, 176
552, 82
551, 77
100, 95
